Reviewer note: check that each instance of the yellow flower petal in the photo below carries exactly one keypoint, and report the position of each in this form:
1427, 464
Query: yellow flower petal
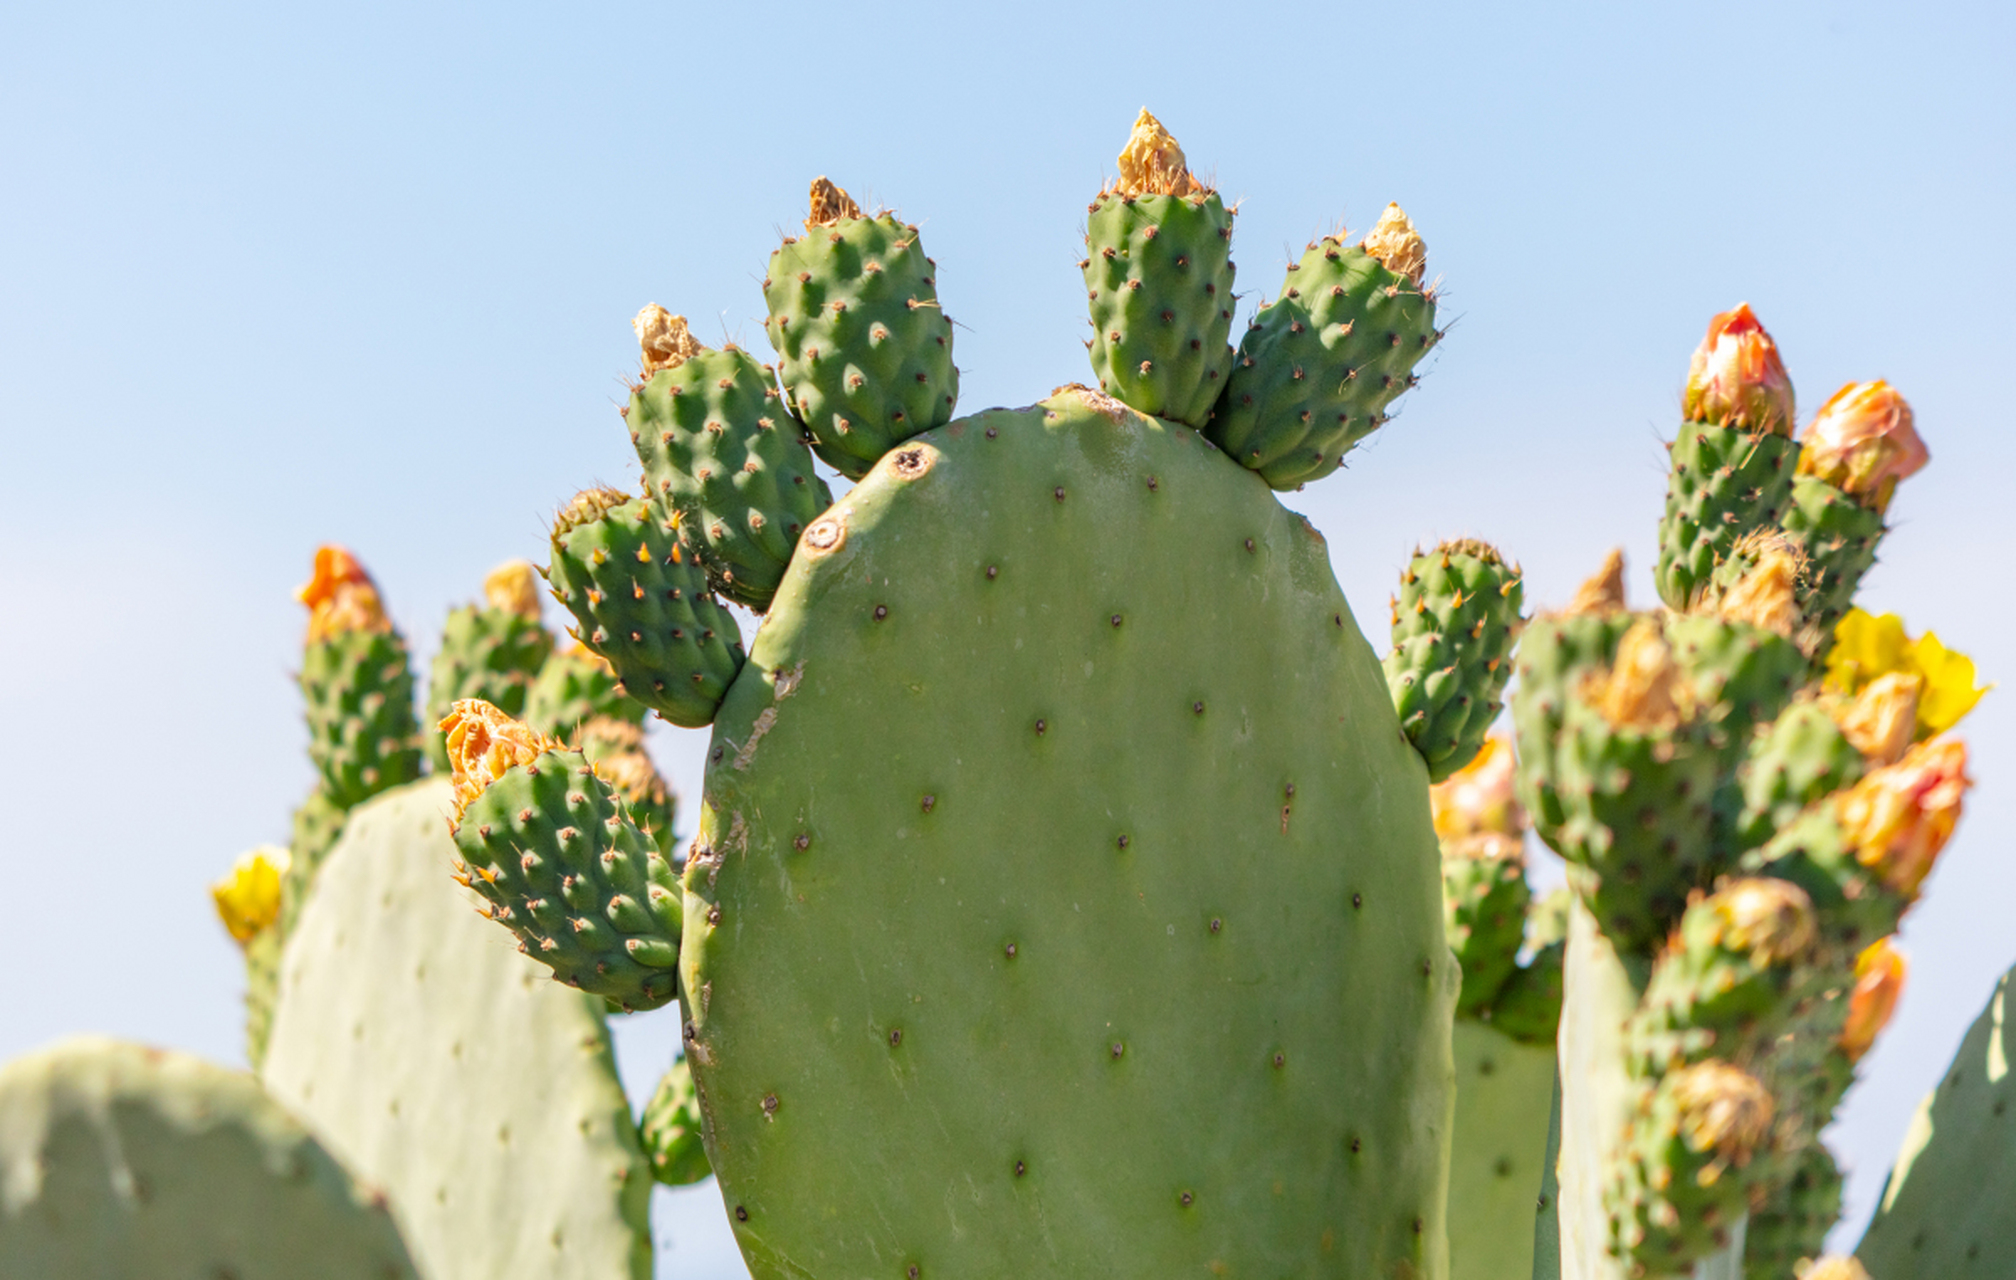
1868, 647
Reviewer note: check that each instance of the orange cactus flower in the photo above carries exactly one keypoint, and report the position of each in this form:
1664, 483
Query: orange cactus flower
1863, 441
1899, 818
341, 597
1879, 981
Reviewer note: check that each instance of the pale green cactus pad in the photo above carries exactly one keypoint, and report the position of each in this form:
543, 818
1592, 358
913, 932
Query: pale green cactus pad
118, 1161
1504, 1094
1065, 900
1948, 1208
452, 1070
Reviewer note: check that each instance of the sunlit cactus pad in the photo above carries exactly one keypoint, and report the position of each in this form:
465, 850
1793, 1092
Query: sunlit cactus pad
120, 1161
1065, 900
452, 1070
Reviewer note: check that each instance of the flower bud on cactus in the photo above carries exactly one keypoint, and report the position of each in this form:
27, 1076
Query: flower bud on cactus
550, 845
1396, 245
493, 652
341, 597
1603, 591
248, 899
1737, 379
1899, 818
1681, 1188
1879, 981
1833, 1267
1882, 720
1767, 596
513, 587
1862, 442
1152, 164
1643, 689
1722, 979
1478, 799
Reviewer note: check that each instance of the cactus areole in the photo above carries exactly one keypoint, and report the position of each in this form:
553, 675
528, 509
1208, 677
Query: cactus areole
1065, 899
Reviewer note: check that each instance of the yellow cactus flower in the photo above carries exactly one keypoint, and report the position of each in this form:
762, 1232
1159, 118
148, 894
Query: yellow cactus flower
341, 597
1868, 647
1397, 245
514, 587
248, 899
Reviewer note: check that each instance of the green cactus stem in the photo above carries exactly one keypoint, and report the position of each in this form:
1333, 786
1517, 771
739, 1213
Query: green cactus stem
1454, 623
627, 574
719, 448
1322, 362
577, 685
1158, 278
866, 351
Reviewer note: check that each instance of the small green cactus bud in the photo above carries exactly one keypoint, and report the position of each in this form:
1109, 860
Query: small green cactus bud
1454, 623
1722, 980
626, 573
672, 1128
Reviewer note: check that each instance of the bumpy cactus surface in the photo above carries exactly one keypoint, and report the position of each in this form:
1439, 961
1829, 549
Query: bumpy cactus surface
480, 1096
118, 1160
491, 651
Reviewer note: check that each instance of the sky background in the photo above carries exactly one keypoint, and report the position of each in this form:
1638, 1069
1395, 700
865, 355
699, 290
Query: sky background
274, 275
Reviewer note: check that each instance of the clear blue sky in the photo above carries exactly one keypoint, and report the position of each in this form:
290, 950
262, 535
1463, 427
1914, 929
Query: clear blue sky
274, 275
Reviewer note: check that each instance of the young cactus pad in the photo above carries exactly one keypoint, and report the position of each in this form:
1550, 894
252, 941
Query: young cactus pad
954, 922
450, 1069
118, 1160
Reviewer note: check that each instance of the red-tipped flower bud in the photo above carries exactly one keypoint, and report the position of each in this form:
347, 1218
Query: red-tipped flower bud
1900, 817
1737, 379
1863, 441
1879, 980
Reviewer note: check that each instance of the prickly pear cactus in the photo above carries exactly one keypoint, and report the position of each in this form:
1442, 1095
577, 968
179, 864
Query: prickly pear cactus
357, 684
1037, 935
1945, 1209
575, 686
672, 1130
451, 1070
118, 1160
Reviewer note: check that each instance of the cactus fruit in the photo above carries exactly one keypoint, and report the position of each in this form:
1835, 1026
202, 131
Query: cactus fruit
357, 684
1015, 952
447, 1069
625, 570
1944, 1210
118, 1160
550, 845
865, 350
1158, 277
575, 686
1454, 623
616, 749
671, 1130
1321, 363
1733, 460
718, 447
1695, 1125
492, 651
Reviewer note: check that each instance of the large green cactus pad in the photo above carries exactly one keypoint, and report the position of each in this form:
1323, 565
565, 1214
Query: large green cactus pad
1065, 900
450, 1069
119, 1161
1504, 1092
1945, 1209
